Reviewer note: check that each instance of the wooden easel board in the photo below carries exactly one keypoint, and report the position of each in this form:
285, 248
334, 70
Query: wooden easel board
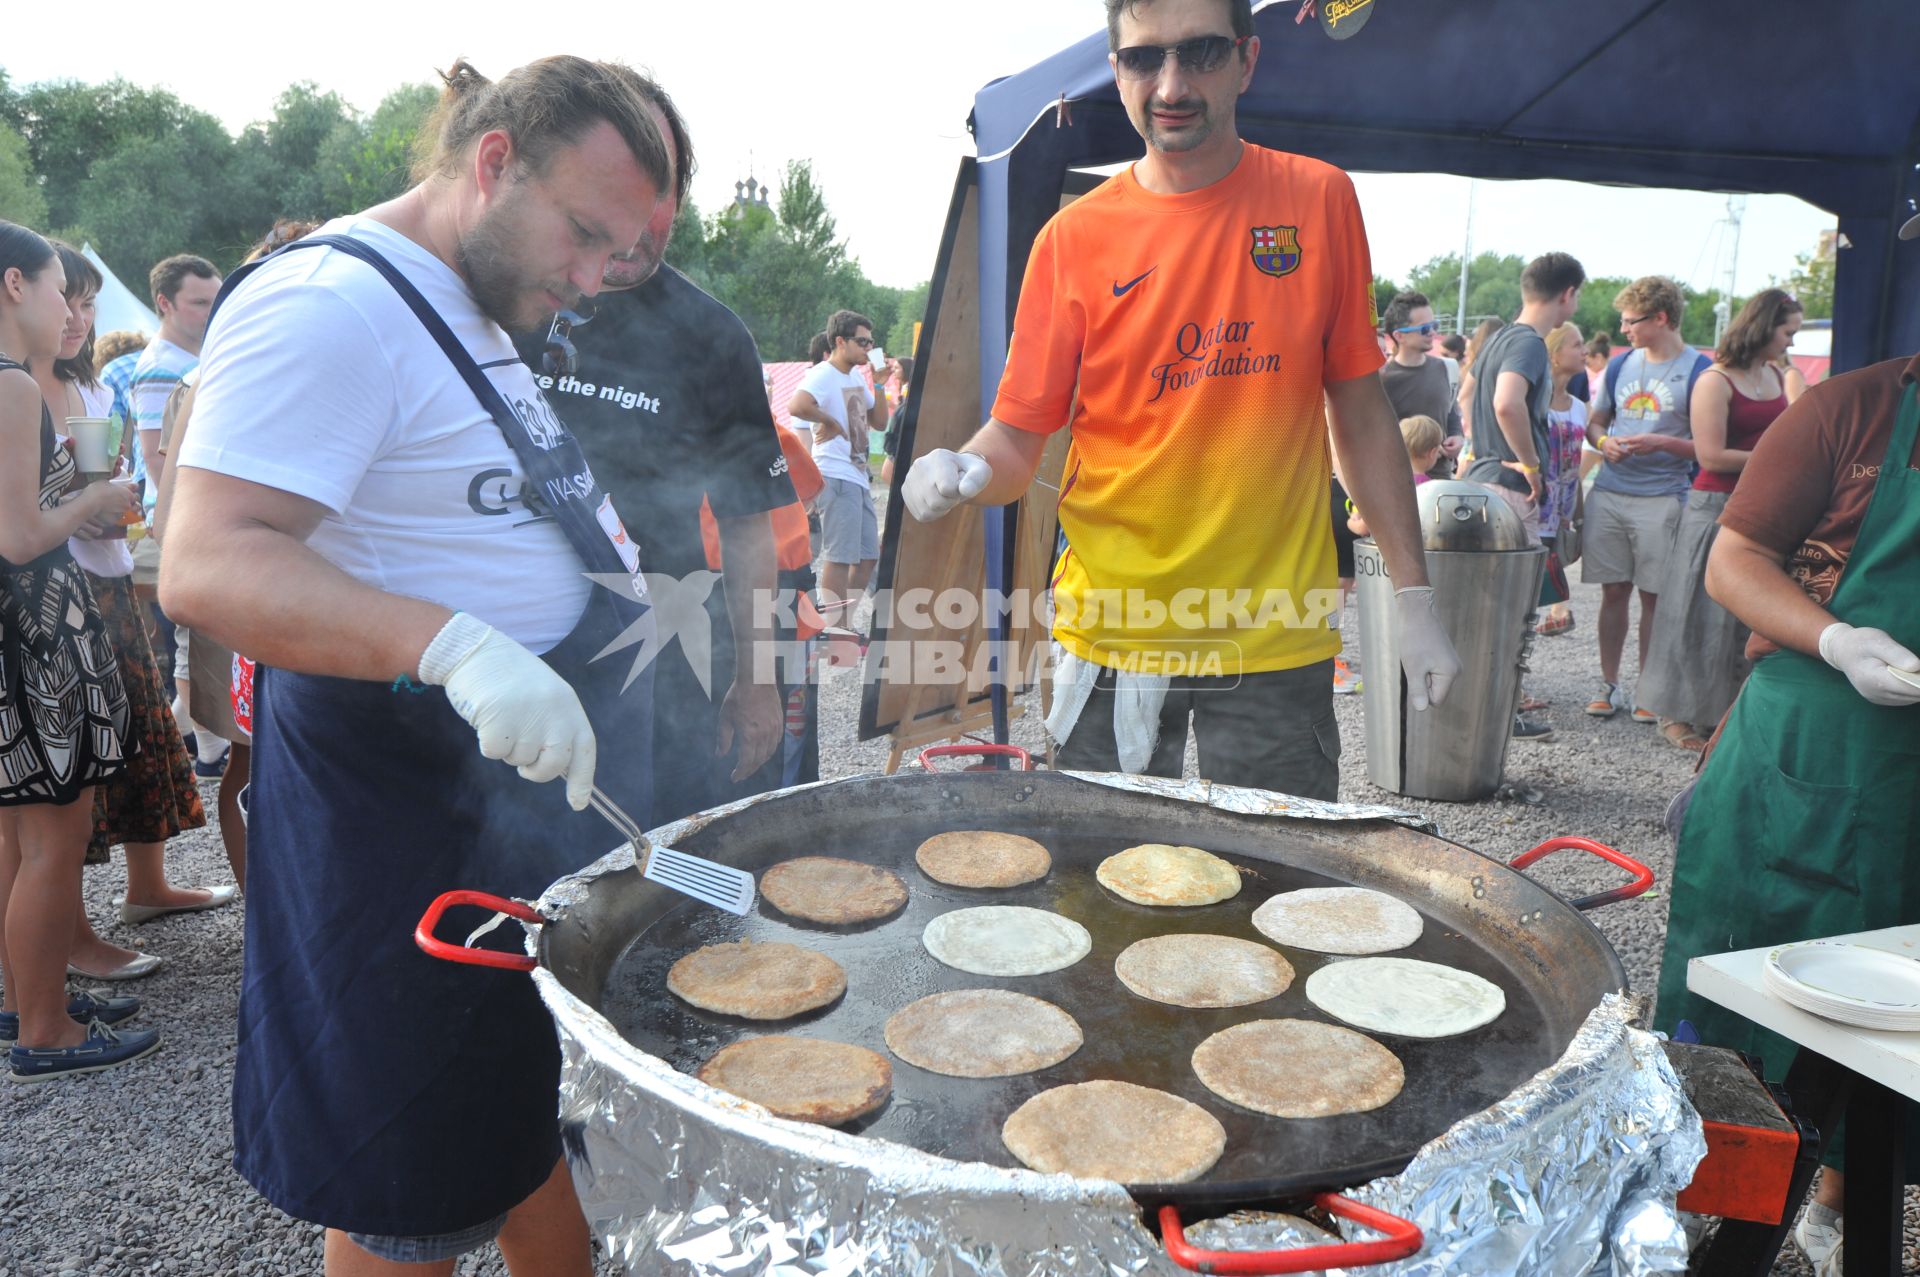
909, 694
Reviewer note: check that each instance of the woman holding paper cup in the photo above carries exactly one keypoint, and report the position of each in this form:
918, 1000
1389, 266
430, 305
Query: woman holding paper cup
67, 723
155, 797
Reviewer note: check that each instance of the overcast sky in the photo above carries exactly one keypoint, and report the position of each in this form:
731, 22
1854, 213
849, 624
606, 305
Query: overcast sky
875, 95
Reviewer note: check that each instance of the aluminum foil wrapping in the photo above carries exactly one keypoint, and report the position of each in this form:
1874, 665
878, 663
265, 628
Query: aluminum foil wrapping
1574, 1172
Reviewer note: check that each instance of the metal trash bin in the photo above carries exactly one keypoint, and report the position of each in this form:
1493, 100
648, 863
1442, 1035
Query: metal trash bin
1486, 584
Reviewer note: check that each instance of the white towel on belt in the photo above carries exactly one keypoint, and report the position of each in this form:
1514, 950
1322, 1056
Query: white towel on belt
1137, 700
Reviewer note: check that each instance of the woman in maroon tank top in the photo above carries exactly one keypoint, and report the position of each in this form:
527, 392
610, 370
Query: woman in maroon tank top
1696, 661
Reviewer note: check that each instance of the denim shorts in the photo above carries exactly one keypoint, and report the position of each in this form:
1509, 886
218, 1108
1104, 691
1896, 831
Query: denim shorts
430, 1249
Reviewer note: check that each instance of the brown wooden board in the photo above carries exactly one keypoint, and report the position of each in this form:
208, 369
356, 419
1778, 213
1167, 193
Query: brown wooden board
903, 692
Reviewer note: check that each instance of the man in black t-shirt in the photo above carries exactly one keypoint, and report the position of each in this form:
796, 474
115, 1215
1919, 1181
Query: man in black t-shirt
662, 384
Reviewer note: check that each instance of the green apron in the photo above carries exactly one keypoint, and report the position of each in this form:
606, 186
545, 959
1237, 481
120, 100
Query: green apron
1806, 820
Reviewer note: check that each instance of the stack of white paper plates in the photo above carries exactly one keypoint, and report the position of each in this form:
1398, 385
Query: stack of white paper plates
1851, 983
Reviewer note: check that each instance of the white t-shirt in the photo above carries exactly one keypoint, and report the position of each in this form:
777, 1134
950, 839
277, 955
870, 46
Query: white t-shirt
845, 397
317, 379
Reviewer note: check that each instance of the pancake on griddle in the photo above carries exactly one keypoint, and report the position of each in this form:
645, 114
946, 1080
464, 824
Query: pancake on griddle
1157, 874
1201, 970
757, 981
1348, 920
982, 1033
1298, 1068
804, 1079
1405, 996
1117, 1131
831, 890
982, 858
1006, 940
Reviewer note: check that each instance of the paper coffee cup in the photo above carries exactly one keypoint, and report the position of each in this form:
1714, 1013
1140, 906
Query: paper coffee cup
90, 444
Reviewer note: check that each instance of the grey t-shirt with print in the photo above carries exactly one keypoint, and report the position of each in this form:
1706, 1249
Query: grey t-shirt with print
1649, 396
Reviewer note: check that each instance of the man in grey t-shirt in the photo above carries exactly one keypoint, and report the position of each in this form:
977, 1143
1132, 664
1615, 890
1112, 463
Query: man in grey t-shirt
1640, 421
1512, 385
1416, 382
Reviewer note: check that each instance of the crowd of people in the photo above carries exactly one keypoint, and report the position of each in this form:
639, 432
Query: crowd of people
198, 578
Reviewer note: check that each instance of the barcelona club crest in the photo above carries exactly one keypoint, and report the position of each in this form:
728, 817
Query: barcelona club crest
1276, 249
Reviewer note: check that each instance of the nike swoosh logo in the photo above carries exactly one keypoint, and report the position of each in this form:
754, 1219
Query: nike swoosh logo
1121, 290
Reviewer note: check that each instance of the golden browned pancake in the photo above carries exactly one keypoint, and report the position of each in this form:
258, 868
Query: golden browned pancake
1203, 970
1339, 920
805, 1079
757, 981
1155, 873
829, 889
982, 1033
982, 858
1117, 1131
1298, 1068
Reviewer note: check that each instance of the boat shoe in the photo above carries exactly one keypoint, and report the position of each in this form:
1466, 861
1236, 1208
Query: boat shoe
83, 1006
104, 1048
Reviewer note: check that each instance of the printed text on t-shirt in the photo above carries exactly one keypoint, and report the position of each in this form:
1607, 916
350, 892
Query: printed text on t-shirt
1200, 353
571, 385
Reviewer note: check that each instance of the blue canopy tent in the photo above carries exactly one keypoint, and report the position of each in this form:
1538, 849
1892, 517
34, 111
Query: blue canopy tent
1765, 96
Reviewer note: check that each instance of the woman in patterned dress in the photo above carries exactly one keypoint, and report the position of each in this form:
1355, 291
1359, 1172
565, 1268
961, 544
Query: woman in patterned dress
155, 797
63, 708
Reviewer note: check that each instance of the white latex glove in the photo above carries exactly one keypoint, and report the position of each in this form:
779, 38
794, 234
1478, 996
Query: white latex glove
1864, 656
1426, 653
943, 479
524, 713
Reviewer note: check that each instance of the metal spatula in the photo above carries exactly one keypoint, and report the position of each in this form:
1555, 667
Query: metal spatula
718, 885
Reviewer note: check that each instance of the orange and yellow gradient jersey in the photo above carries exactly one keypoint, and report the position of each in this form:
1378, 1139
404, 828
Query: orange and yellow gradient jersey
1186, 340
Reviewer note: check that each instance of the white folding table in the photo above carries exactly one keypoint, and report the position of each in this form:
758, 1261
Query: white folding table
1870, 1075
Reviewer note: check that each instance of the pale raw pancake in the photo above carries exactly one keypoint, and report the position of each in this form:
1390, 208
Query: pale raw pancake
1298, 1068
1203, 970
1157, 874
757, 981
982, 858
829, 889
1339, 920
1006, 940
1117, 1131
982, 1033
805, 1079
1405, 996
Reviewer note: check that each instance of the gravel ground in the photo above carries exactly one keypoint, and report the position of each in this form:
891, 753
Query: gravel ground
129, 1172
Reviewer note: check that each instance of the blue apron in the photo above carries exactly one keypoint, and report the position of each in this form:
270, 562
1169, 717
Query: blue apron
378, 1090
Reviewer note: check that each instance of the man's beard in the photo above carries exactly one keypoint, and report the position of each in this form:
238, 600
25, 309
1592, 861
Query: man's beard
485, 256
1187, 139
635, 269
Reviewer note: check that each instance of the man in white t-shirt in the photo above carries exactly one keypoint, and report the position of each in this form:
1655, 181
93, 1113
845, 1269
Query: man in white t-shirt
392, 521
837, 400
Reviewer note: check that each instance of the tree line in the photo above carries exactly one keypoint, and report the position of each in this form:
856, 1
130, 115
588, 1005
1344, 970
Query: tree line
141, 175
1493, 288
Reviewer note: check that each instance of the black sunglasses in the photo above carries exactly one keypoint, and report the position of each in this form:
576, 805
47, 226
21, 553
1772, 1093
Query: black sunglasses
1198, 56
559, 358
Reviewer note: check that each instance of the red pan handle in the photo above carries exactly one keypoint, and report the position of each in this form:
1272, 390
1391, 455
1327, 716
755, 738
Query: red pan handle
424, 937
1642, 876
1403, 1238
997, 751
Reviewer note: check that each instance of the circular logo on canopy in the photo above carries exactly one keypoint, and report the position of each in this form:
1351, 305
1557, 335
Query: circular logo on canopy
1342, 19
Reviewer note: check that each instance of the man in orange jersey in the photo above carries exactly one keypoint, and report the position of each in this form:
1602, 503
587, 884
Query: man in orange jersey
1193, 320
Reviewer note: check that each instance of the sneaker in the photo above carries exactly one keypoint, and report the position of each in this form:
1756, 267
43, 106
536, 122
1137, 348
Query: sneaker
1529, 729
1345, 680
104, 1049
84, 1006
213, 770
1823, 1244
1608, 703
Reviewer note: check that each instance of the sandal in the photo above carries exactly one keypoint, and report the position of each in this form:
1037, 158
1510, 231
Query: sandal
1682, 736
1552, 626
1533, 703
